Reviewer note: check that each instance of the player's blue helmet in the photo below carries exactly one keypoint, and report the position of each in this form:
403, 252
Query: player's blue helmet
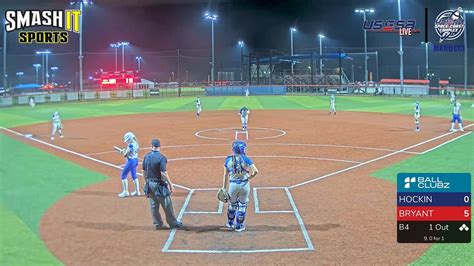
239, 147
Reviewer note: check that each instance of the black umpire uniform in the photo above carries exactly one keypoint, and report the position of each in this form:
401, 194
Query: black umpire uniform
157, 187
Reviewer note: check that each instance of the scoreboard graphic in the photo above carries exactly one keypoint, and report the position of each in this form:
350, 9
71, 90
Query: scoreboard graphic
434, 208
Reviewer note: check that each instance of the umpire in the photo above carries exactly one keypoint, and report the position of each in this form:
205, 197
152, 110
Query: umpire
158, 187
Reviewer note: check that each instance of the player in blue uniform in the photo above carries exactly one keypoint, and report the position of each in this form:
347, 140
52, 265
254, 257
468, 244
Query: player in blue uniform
238, 171
416, 115
456, 117
131, 153
244, 117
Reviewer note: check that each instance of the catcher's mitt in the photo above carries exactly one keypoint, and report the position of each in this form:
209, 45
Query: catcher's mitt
223, 195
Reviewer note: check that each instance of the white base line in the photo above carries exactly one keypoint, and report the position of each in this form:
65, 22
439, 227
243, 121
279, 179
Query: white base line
77, 154
239, 251
373, 160
449, 141
300, 220
179, 218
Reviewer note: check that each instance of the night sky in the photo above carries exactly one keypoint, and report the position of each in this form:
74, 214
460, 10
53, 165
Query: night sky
161, 25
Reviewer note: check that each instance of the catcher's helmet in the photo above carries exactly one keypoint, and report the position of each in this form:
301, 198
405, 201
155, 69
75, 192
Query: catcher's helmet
239, 147
128, 136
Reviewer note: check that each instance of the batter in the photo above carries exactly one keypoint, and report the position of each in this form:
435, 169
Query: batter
131, 153
244, 117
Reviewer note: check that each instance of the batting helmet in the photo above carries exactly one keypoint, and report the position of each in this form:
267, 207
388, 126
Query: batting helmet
239, 147
128, 136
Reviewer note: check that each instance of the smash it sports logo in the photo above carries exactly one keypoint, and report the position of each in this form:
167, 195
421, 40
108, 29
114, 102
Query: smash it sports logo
425, 182
404, 27
64, 21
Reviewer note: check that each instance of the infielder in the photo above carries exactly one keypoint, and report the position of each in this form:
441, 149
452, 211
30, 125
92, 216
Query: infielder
452, 99
131, 153
332, 104
198, 107
244, 117
57, 126
417, 115
238, 170
456, 117
247, 93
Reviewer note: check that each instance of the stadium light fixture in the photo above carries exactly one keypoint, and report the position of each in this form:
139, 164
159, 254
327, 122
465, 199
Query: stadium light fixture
20, 73
292, 30
364, 12
36, 66
139, 61
466, 12
212, 17
54, 68
44, 59
81, 4
123, 44
321, 37
241, 43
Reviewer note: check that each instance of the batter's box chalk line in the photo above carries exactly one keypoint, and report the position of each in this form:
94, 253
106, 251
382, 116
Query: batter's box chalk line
308, 243
278, 132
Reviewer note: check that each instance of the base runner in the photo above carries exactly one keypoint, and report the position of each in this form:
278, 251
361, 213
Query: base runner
456, 117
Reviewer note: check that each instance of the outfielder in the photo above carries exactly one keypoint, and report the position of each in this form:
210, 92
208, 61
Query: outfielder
31, 102
456, 117
332, 104
198, 107
57, 126
244, 117
131, 153
238, 169
417, 115
247, 93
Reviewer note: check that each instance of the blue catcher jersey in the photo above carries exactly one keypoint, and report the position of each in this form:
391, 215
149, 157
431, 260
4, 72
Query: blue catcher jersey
236, 166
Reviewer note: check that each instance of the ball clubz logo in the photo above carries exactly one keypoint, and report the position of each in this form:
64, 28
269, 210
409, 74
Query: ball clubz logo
449, 25
404, 27
426, 182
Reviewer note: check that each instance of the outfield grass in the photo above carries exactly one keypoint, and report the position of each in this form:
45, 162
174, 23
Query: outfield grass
444, 159
32, 180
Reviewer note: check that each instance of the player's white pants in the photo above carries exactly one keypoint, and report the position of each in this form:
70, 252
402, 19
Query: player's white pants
244, 120
198, 110
239, 192
58, 128
332, 108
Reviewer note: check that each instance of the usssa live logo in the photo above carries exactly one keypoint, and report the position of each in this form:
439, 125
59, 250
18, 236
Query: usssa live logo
404, 27
64, 21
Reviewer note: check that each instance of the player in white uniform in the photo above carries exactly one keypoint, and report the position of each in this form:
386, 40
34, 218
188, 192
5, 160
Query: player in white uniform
198, 107
332, 105
238, 170
57, 126
416, 115
247, 93
32, 102
244, 117
452, 99
456, 117
131, 154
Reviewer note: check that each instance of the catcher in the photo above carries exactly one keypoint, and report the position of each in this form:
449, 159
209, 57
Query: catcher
131, 153
238, 170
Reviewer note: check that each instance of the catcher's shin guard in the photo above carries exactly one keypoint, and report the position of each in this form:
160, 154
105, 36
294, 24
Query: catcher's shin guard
241, 213
231, 213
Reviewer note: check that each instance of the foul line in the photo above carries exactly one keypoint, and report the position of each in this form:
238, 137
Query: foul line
76, 153
449, 141
373, 160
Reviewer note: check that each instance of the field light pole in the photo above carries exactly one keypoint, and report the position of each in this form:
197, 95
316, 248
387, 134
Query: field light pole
321, 37
4, 55
364, 12
81, 57
402, 90
292, 30
139, 60
426, 57
123, 44
36, 66
241, 45
54, 73
115, 45
212, 17
466, 12
44, 58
